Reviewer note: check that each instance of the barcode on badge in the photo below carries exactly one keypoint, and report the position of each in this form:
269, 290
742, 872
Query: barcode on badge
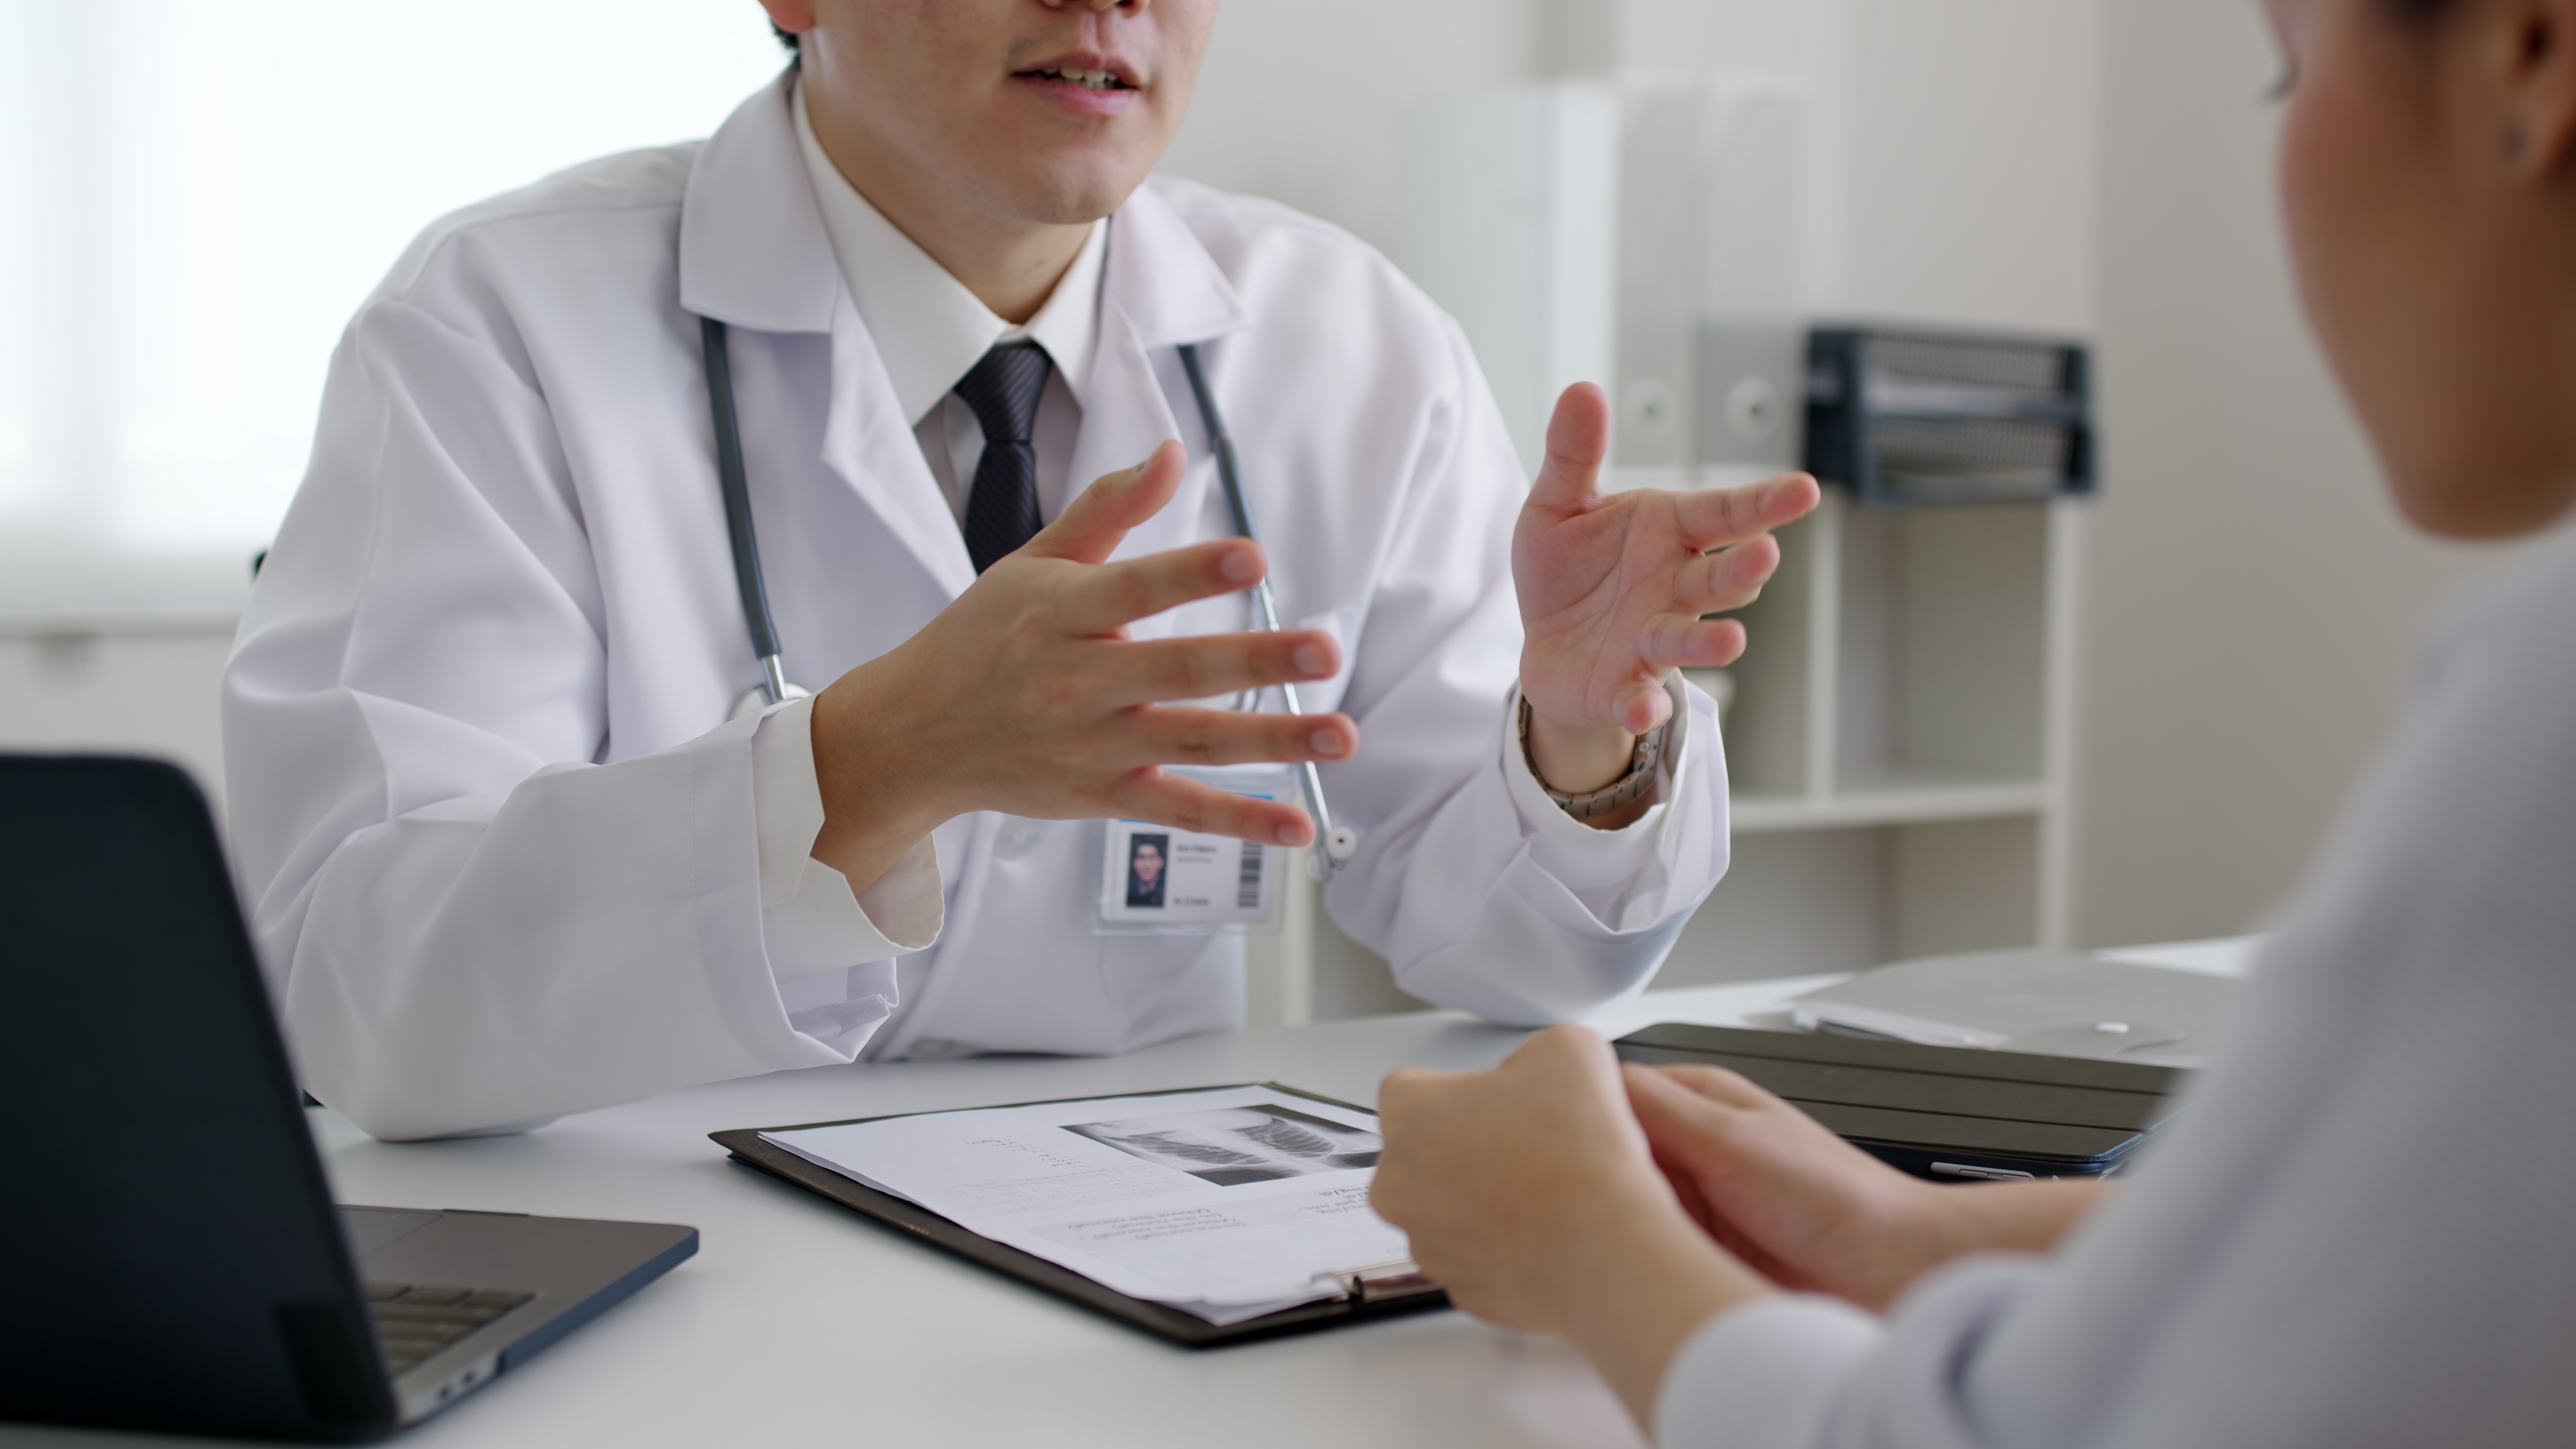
1247, 880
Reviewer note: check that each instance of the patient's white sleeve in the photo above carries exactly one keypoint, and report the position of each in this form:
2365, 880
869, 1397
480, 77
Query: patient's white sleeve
1809, 1371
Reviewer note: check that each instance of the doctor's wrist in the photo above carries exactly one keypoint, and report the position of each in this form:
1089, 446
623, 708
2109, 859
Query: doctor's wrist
876, 806
1623, 772
1574, 760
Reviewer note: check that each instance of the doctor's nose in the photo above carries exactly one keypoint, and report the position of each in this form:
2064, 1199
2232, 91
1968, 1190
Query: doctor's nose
1099, 6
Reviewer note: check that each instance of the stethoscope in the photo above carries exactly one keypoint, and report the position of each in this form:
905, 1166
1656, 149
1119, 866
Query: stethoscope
1337, 843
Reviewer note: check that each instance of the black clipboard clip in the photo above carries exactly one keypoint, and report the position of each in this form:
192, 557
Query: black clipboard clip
1386, 1282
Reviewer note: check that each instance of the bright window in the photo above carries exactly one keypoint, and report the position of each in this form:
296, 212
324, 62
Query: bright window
196, 194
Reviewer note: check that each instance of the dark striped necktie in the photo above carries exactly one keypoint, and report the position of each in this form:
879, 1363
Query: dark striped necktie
1002, 507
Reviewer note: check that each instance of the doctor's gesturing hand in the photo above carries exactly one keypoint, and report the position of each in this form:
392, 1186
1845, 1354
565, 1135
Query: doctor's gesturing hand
1613, 588
1027, 696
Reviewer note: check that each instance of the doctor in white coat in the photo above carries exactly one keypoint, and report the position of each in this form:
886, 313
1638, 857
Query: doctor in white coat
507, 855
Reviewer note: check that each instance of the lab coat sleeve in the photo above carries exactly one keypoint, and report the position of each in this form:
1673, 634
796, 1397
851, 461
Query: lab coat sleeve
811, 922
1476, 900
1599, 866
468, 924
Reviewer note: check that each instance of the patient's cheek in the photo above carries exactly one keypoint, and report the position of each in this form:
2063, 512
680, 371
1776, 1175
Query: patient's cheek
2362, 186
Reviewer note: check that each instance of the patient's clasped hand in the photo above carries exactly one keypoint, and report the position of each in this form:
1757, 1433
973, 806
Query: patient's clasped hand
1569, 1193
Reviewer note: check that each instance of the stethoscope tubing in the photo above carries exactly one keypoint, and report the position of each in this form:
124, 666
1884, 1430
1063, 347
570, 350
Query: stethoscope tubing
737, 506
1221, 444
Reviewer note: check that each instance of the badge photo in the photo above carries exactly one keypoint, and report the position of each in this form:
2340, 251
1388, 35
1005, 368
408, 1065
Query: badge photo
1155, 879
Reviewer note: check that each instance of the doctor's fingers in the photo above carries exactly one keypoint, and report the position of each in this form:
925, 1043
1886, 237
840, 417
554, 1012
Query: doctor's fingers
1099, 600
1207, 665
1179, 735
1578, 441
1731, 578
1687, 641
1091, 526
1720, 516
1185, 804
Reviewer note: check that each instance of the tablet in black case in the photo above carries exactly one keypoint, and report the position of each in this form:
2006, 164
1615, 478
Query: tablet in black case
1946, 1113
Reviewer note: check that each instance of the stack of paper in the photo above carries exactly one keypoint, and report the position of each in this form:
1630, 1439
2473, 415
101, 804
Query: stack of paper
1228, 1203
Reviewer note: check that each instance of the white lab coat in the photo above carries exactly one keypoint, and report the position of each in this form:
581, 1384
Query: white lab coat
495, 831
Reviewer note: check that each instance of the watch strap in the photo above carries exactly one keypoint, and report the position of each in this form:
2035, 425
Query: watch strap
1644, 767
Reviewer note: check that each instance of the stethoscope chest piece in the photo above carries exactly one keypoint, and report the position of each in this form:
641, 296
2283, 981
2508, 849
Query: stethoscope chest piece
756, 699
1333, 851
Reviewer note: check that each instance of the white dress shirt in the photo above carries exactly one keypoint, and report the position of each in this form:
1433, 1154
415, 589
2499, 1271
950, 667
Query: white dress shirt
2357, 1233
930, 330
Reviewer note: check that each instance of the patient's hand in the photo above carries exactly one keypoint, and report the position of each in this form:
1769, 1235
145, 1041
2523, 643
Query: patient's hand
1810, 1211
1529, 1193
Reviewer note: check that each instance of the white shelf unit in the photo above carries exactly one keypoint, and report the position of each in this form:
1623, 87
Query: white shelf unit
1897, 744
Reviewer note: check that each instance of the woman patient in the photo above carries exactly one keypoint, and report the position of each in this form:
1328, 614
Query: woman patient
2363, 1229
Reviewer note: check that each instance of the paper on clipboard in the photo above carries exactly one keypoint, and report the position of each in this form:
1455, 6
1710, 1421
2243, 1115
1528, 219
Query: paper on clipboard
1227, 1204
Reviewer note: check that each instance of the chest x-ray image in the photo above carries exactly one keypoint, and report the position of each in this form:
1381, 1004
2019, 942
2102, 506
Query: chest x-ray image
1239, 1144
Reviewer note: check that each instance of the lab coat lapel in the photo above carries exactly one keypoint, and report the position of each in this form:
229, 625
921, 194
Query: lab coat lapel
866, 441
1159, 288
754, 254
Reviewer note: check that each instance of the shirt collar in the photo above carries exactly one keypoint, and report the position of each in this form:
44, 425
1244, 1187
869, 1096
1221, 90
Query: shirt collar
929, 329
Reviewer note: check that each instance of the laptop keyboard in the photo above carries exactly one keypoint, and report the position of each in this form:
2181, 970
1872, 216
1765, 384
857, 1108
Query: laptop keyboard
415, 1320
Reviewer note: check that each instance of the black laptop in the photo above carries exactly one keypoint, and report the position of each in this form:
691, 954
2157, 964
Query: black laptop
1946, 1113
176, 1259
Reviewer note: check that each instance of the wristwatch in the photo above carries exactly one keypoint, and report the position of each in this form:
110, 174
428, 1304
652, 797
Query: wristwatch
1642, 763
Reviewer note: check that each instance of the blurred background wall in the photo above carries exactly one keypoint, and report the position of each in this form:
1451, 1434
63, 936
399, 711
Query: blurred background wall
2253, 601
2249, 602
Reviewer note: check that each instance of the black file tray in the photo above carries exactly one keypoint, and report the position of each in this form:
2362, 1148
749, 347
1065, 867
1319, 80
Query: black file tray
1946, 1113
1171, 1324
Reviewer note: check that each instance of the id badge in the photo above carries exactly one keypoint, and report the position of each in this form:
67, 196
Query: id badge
1155, 880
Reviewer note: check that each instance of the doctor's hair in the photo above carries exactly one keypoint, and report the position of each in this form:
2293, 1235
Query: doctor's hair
787, 38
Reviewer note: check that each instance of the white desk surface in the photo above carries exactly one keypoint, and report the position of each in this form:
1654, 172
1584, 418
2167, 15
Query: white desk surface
800, 1322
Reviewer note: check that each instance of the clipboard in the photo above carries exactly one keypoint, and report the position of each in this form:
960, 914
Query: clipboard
1369, 1291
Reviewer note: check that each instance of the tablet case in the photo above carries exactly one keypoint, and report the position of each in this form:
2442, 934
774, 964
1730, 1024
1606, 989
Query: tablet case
1186, 1329
1946, 1113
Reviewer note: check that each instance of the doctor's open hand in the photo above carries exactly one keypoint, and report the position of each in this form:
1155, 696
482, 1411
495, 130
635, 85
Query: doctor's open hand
1613, 588
1028, 696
